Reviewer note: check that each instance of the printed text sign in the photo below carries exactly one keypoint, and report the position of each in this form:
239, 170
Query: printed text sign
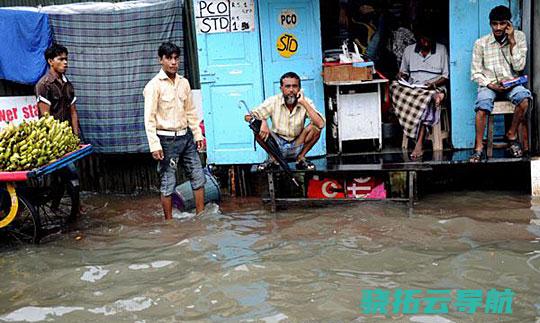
224, 16
16, 109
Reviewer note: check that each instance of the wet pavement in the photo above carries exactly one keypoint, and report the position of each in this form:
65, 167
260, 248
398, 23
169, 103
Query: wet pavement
243, 263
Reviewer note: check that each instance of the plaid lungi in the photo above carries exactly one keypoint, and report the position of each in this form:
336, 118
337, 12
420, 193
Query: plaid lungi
413, 106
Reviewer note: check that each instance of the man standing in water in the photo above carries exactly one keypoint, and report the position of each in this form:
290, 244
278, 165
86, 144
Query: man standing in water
172, 128
56, 96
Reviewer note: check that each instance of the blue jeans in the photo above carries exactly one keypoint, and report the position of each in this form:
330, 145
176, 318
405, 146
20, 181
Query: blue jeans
175, 150
485, 98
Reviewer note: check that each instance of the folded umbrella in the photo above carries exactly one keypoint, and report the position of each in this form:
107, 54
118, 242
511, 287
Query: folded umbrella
271, 146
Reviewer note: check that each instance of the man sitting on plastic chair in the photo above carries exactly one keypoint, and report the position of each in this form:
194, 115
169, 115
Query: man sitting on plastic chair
498, 57
288, 112
420, 89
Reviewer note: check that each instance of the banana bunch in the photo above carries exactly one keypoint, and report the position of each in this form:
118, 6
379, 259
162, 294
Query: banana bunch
35, 143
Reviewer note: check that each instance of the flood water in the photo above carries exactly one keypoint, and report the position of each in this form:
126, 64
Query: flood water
245, 264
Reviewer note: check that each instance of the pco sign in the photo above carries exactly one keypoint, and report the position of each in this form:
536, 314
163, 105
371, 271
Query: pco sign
288, 19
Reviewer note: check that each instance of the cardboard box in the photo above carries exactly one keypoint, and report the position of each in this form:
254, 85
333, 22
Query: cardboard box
346, 72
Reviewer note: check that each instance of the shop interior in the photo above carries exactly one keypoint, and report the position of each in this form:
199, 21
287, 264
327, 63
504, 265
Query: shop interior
381, 30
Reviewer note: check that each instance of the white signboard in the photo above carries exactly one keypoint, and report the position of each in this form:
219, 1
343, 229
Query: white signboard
288, 19
224, 16
16, 109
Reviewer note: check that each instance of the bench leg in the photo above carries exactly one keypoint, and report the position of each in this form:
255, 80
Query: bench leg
272, 191
412, 188
436, 137
405, 142
490, 125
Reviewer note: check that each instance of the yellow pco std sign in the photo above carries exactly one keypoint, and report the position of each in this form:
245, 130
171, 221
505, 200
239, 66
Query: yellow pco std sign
287, 45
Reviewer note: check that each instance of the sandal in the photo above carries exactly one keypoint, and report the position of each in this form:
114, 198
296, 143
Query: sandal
267, 166
515, 148
304, 164
477, 156
417, 157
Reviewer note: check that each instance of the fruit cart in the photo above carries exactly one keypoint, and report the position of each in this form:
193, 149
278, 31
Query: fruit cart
38, 202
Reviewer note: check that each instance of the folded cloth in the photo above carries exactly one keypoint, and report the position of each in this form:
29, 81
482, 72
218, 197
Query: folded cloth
25, 36
412, 107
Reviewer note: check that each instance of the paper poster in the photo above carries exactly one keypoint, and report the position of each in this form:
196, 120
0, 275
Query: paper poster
224, 16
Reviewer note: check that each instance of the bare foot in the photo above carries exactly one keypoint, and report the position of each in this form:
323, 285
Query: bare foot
418, 152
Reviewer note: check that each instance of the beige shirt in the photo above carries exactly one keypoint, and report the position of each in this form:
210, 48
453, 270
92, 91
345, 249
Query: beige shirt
493, 63
169, 106
285, 123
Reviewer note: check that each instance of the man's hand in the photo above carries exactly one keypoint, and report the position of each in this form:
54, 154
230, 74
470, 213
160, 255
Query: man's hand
510, 32
496, 87
401, 75
301, 98
431, 85
76, 131
248, 117
200, 145
157, 155
265, 132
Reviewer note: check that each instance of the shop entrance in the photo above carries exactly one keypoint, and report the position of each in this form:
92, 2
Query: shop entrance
456, 24
381, 30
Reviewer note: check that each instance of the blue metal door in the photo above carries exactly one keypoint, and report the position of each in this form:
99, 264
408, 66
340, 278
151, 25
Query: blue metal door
291, 41
469, 20
231, 71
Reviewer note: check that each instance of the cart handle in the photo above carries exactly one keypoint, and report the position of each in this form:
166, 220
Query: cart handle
14, 205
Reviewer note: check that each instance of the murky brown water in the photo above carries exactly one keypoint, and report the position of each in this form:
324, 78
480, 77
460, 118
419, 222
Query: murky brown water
245, 264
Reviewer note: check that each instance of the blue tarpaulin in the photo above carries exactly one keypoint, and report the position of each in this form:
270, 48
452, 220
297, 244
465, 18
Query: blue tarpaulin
24, 37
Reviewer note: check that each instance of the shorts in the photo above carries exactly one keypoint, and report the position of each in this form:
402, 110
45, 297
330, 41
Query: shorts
288, 149
179, 149
485, 97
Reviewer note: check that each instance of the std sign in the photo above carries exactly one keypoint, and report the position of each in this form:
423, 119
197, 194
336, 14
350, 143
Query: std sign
15, 109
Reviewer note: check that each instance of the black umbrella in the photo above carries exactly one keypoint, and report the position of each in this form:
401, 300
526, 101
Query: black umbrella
270, 145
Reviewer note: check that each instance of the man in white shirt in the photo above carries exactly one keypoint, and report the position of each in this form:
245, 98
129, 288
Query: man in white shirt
172, 128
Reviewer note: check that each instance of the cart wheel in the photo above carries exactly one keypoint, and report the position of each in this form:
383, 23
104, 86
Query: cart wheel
25, 227
58, 205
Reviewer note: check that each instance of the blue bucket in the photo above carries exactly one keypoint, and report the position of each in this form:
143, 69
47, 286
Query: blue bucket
184, 200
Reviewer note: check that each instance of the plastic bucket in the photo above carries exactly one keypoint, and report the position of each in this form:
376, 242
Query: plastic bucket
183, 198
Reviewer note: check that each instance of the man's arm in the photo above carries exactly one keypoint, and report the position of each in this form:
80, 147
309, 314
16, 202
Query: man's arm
441, 80
150, 110
263, 112
316, 119
404, 68
477, 65
518, 49
437, 82
73, 113
43, 103
192, 117
43, 108
74, 120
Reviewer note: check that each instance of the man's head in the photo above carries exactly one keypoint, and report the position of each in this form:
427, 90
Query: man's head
56, 57
290, 85
169, 57
424, 34
499, 20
